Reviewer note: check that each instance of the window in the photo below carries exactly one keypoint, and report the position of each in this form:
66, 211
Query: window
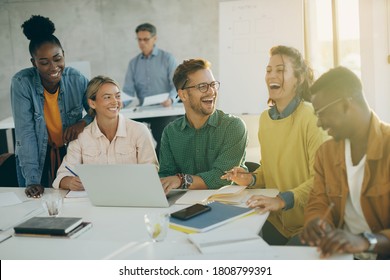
332, 34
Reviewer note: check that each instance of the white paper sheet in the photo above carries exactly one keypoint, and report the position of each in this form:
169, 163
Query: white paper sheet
201, 196
76, 194
235, 240
4, 236
155, 99
195, 196
9, 198
14, 214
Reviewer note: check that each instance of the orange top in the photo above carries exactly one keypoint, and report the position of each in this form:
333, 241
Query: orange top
53, 118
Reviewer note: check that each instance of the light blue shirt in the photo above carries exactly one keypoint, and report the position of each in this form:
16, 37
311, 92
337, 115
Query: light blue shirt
147, 76
27, 101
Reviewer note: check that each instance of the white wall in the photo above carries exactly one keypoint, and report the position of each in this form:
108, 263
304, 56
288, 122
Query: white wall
374, 24
103, 33
247, 31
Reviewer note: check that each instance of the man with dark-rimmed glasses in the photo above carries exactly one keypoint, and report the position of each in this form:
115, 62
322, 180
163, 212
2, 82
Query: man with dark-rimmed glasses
197, 148
349, 206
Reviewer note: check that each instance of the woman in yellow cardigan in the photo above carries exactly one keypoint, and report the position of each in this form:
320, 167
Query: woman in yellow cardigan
289, 138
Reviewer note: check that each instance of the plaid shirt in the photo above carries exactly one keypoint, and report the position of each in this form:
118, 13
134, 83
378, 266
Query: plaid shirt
206, 152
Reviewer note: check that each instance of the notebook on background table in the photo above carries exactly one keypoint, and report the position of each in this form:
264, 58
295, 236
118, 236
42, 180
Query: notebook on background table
132, 185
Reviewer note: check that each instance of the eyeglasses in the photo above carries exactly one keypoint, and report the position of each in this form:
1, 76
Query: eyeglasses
203, 87
319, 111
144, 39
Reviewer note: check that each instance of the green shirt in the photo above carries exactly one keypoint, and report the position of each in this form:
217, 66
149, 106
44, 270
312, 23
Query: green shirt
206, 152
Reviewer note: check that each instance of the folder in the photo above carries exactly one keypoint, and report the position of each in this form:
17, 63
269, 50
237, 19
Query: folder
219, 214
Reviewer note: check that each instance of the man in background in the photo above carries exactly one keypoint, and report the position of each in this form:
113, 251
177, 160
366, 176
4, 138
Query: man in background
349, 206
150, 73
197, 148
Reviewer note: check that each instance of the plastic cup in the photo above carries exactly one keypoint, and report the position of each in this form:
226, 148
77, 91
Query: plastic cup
157, 225
53, 203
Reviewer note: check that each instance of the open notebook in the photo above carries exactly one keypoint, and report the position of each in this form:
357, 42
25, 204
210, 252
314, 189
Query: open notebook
230, 194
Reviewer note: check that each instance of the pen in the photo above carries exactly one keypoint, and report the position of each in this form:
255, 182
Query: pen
71, 171
240, 172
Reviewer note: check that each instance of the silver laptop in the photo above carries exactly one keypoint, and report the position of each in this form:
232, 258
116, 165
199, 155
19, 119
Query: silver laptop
134, 185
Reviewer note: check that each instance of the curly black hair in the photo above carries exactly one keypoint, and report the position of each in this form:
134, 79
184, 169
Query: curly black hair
39, 30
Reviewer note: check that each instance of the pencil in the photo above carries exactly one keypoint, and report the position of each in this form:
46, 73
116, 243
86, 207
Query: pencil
71, 171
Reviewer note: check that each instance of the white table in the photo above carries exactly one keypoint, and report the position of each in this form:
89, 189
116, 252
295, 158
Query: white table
120, 233
116, 232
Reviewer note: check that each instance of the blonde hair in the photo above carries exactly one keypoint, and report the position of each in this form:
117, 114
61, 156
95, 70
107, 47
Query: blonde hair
93, 87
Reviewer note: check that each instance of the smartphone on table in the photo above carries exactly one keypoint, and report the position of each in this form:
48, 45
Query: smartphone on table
191, 211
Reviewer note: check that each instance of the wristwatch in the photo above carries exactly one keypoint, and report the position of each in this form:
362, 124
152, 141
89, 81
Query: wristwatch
372, 240
186, 180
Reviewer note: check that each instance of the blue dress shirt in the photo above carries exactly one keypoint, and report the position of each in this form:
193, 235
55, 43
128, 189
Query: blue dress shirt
147, 76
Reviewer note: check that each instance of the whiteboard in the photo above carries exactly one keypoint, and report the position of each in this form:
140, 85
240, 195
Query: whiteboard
247, 30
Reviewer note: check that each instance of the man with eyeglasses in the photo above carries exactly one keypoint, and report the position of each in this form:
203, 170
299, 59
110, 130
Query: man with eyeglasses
197, 148
349, 206
150, 73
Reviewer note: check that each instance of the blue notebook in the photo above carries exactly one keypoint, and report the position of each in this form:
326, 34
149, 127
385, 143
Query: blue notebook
218, 215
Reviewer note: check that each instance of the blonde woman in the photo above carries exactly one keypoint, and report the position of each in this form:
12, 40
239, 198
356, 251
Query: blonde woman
109, 139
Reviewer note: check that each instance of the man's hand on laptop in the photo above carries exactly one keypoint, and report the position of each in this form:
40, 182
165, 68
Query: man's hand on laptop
170, 183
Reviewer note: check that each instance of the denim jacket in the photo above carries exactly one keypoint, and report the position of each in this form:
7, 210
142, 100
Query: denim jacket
27, 101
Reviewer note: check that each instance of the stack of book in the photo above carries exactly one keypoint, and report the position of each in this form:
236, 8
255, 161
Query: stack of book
63, 227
